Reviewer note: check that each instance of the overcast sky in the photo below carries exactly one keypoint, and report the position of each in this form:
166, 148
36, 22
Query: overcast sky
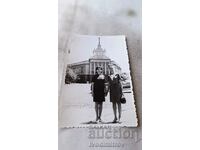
81, 48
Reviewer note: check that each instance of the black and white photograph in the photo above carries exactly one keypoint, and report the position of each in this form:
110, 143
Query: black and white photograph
99, 75
97, 88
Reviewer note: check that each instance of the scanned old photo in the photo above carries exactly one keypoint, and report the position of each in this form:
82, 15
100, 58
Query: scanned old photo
97, 87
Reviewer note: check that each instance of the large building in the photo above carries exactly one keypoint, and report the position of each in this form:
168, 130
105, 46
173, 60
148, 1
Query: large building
86, 69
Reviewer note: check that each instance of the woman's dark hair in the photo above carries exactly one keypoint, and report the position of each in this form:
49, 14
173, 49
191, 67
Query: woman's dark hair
98, 68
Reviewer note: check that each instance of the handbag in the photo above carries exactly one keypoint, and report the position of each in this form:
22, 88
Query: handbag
123, 99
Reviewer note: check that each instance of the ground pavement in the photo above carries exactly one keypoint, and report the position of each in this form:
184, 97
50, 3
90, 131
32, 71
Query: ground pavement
77, 108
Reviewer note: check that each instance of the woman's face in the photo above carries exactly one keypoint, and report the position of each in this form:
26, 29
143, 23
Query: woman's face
99, 71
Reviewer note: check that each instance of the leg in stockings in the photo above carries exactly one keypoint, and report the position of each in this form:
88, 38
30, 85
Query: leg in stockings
115, 111
119, 110
96, 110
100, 110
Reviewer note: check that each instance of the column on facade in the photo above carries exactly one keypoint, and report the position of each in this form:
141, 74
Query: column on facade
94, 68
105, 67
90, 68
108, 69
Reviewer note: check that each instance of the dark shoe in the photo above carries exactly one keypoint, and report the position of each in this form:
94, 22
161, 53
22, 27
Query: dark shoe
99, 120
119, 119
115, 120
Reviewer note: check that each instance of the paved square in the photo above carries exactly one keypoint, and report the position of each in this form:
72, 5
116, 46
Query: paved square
76, 108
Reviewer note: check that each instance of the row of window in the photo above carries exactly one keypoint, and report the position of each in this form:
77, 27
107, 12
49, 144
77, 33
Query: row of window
102, 64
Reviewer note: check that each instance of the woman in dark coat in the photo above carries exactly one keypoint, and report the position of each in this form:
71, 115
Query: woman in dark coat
98, 92
115, 88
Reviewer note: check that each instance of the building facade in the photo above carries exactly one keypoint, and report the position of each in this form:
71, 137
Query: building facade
85, 70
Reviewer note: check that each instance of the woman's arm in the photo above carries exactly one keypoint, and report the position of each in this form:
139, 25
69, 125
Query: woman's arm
109, 83
120, 84
92, 88
106, 88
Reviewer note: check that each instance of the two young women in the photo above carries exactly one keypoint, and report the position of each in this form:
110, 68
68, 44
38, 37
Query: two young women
99, 91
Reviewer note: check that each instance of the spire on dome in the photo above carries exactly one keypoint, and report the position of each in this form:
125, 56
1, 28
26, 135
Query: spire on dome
99, 52
99, 44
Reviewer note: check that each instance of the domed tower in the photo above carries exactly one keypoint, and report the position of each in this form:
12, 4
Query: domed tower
99, 52
99, 59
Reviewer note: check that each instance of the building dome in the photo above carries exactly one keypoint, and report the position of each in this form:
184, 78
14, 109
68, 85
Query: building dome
99, 52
